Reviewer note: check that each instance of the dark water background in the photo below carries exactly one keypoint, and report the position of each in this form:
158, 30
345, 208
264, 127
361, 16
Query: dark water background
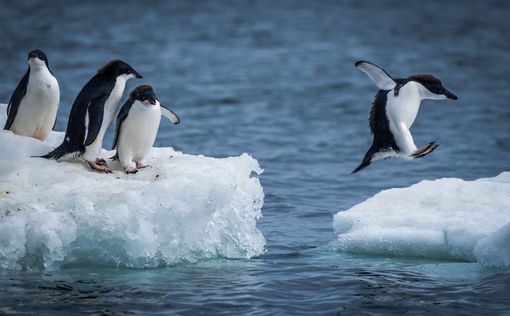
276, 79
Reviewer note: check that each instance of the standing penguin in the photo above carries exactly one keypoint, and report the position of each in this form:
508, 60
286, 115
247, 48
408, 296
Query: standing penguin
33, 106
137, 126
92, 113
394, 110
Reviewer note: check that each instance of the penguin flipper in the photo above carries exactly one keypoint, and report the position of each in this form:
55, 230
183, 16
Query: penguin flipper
169, 114
14, 102
380, 77
95, 117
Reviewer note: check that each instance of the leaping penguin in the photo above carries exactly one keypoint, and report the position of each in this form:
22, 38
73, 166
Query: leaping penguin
394, 110
92, 113
137, 126
32, 109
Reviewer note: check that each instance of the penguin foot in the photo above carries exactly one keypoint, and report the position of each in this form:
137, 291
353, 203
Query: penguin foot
425, 150
131, 170
140, 165
100, 165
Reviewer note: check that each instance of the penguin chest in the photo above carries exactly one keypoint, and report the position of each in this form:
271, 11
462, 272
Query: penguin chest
403, 108
38, 109
111, 105
138, 133
401, 111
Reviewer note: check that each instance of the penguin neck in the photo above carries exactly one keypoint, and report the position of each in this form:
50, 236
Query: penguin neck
40, 70
121, 81
115, 96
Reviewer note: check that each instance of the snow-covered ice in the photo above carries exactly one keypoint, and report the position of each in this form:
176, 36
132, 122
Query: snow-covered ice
181, 209
446, 218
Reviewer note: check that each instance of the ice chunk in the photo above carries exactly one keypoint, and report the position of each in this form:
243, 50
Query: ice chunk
494, 250
446, 218
181, 209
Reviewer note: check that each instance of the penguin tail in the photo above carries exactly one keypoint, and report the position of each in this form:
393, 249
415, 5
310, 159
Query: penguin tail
55, 154
362, 166
367, 160
60, 151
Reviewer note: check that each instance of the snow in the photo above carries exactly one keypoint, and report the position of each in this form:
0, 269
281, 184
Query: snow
442, 219
183, 208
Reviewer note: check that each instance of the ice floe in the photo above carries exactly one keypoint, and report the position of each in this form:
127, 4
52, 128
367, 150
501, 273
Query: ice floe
181, 209
447, 218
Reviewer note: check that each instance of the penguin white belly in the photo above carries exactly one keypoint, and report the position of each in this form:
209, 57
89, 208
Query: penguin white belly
38, 109
138, 133
401, 112
110, 108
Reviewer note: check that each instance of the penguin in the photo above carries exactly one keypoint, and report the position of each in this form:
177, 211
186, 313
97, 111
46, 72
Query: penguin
394, 110
137, 126
92, 113
32, 109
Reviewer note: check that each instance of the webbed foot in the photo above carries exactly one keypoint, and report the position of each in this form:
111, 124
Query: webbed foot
100, 165
425, 150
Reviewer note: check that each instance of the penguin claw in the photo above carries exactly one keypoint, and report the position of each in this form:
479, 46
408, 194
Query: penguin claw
425, 150
140, 165
130, 170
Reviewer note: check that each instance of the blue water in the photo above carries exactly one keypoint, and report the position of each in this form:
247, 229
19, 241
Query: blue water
276, 79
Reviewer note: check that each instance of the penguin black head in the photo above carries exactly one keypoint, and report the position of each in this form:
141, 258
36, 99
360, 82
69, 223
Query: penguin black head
434, 86
37, 58
115, 68
144, 94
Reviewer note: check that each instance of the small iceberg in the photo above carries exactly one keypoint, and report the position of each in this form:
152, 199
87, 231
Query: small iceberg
181, 209
448, 219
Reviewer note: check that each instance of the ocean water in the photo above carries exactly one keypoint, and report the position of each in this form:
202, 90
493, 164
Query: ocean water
276, 79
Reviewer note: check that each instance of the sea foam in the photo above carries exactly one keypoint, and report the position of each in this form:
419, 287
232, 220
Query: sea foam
182, 208
447, 218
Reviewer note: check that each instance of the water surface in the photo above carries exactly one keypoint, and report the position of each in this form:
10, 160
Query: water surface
276, 80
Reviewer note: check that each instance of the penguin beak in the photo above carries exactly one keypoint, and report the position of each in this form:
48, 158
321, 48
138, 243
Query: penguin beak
450, 95
137, 75
32, 55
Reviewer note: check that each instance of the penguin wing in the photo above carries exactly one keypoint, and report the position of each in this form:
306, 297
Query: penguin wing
14, 102
169, 114
94, 114
380, 77
124, 111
